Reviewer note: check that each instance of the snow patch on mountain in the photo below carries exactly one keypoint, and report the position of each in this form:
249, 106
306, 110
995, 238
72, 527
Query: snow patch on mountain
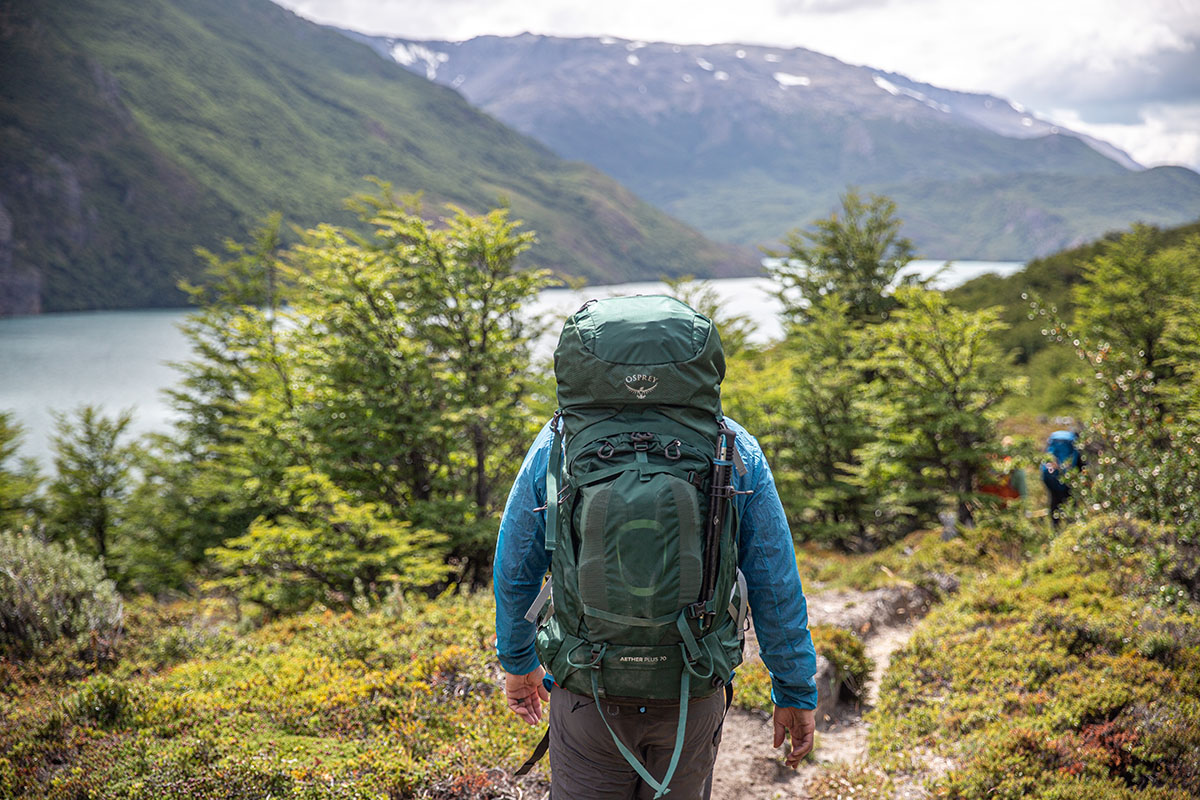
704, 64
632, 60
785, 79
410, 54
893, 89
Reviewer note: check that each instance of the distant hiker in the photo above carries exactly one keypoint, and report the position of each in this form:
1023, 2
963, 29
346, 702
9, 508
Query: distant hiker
1007, 481
661, 526
1063, 457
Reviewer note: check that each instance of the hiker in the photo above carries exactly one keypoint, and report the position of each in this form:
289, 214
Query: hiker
1064, 457
641, 637
1006, 480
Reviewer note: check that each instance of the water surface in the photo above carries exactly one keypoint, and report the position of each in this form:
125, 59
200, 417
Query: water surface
121, 359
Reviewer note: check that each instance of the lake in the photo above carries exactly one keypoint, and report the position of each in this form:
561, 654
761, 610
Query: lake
121, 359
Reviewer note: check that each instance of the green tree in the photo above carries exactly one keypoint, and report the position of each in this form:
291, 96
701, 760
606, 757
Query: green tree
803, 401
327, 547
1138, 331
856, 255
232, 440
415, 354
19, 482
392, 367
1136, 302
941, 375
835, 282
92, 477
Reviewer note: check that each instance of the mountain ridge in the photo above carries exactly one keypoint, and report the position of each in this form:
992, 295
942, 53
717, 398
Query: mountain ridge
746, 142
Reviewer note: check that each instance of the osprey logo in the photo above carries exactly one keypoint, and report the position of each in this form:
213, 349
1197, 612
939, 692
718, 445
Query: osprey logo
641, 385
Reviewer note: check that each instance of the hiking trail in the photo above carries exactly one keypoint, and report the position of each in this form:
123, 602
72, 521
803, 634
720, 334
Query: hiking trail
748, 768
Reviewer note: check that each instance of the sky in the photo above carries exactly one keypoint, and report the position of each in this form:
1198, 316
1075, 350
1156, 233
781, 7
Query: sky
1127, 71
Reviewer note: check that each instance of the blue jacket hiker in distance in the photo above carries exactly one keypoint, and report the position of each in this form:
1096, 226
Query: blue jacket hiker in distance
766, 556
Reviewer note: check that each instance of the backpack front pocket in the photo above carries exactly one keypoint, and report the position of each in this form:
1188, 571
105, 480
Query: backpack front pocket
640, 553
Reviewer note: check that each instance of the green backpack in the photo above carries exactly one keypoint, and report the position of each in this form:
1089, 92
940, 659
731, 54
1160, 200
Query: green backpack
645, 601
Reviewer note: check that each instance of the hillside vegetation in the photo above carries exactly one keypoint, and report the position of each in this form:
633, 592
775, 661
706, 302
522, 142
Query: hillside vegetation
287, 596
134, 130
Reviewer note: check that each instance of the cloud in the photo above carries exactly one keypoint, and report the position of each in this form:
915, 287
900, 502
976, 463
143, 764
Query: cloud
1163, 134
789, 7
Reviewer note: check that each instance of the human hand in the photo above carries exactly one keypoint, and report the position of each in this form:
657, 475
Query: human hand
801, 725
525, 694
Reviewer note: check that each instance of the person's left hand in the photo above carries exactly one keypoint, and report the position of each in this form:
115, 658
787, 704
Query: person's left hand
525, 694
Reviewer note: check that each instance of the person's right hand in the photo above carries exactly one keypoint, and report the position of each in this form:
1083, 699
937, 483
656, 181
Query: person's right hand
525, 694
801, 725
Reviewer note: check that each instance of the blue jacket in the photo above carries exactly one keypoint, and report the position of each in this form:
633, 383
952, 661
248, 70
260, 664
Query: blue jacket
766, 554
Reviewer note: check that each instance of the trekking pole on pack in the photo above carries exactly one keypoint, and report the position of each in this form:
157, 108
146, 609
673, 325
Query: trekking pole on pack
720, 492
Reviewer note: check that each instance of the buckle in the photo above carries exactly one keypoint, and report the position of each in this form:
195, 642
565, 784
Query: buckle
597, 654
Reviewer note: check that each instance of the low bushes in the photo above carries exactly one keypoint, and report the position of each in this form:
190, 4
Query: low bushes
401, 702
1077, 675
48, 592
752, 687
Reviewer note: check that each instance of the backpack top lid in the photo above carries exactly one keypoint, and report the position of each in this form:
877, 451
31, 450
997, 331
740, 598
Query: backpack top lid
1061, 445
642, 350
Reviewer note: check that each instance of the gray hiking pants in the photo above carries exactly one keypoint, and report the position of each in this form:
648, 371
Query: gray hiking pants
586, 765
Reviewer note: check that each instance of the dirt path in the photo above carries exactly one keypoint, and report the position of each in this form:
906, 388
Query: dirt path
748, 768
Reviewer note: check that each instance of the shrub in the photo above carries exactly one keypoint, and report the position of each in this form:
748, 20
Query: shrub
752, 686
324, 706
846, 652
1059, 678
102, 701
48, 592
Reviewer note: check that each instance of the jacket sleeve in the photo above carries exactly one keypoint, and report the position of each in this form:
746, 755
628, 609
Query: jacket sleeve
521, 559
767, 557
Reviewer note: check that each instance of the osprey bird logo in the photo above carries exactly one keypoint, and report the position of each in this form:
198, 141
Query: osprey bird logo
641, 385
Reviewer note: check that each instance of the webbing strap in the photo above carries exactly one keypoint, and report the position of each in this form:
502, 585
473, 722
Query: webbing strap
539, 603
691, 647
660, 788
553, 473
538, 752
599, 475
621, 619
743, 604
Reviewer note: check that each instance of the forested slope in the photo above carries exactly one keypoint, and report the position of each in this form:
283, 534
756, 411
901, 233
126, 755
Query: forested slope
132, 131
